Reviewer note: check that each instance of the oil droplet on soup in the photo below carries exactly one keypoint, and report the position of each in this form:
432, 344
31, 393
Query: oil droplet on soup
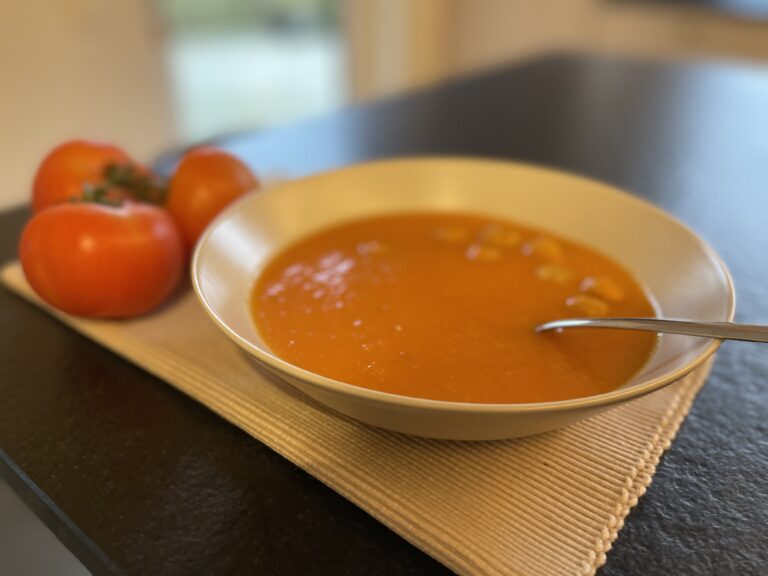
443, 306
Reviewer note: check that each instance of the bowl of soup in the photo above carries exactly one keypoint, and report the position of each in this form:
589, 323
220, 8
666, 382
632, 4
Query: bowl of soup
405, 293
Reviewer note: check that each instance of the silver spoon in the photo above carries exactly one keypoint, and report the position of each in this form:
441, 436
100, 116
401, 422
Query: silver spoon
721, 330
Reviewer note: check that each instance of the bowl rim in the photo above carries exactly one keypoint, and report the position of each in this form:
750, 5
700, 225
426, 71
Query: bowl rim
272, 361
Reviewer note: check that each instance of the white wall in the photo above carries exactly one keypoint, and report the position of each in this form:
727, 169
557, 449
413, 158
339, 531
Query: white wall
78, 68
492, 31
396, 45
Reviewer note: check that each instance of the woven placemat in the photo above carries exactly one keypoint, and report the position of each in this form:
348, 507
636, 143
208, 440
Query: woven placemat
547, 504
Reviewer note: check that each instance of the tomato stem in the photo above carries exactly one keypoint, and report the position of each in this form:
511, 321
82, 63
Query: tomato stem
142, 186
98, 194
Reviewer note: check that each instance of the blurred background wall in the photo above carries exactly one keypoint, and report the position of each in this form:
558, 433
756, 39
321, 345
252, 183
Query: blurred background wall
151, 74
492, 31
78, 67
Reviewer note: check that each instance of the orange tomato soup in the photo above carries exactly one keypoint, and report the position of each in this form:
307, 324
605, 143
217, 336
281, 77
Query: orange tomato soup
444, 306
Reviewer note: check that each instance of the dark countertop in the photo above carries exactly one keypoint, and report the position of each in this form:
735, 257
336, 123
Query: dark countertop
136, 478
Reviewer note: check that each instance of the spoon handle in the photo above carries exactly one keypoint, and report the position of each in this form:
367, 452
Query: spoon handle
721, 330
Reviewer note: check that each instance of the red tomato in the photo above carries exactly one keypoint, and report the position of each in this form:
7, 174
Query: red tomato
102, 261
69, 166
205, 182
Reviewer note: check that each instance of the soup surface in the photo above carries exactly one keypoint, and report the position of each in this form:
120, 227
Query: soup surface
444, 306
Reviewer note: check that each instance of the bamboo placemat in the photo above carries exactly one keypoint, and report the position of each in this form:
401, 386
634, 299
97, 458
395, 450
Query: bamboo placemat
548, 504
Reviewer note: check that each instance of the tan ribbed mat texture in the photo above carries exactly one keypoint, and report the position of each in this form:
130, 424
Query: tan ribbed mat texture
548, 504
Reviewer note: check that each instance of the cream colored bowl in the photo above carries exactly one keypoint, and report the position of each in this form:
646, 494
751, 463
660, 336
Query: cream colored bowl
686, 277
